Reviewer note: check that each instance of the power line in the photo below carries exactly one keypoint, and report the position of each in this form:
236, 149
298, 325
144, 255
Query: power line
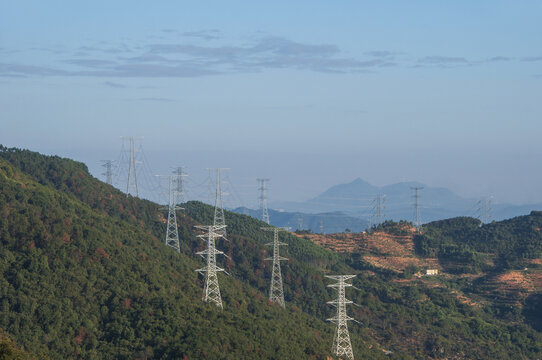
341, 341
263, 199
276, 292
231, 190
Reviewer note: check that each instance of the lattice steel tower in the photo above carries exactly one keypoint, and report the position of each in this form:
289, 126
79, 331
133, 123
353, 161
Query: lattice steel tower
211, 290
180, 185
484, 210
378, 208
322, 226
219, 220
263, 199
341, 341
131, 182
299, 222
172, 234
276, 292
108, 165
417, 219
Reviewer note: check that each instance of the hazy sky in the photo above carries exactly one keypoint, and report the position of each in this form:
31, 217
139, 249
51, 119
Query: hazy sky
307, 93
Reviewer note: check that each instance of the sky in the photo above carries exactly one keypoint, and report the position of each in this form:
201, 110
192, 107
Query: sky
309, 94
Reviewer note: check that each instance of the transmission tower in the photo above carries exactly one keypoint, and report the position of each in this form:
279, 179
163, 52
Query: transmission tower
219, 220
484, 210
211, 290
322, 226
108, 165
172, 234
263, 199
341, 341
378, 208
180, 185
299, 222
131, 182
276, 292
417, 219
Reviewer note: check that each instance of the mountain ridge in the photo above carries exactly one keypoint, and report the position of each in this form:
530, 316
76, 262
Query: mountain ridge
356, 199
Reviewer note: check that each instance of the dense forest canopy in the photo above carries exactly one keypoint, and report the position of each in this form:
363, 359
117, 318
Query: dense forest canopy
467, 240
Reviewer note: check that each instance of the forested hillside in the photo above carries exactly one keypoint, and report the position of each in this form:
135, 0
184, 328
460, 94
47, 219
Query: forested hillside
511, 243
84, 274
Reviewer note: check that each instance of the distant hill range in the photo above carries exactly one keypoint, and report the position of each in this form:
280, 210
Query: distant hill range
330, 222
357, 199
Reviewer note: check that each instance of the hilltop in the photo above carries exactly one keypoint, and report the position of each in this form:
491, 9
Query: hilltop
84, 274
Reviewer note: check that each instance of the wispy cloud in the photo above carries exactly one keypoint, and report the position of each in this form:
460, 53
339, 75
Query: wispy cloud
269, 52
92, 63
532, 58
28, 70
381, 54
114, 85
147, 58
498, 59
282, 46
190, 58
109, 49
155, 99
210, 34
179, 59
443, 60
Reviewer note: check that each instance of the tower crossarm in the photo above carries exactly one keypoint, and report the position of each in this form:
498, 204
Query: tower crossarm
278, 258
338, 302
278, 243
168, 208
216, 268
336, 286
340, 277
343, 318
211, 228
216, 236
207, 251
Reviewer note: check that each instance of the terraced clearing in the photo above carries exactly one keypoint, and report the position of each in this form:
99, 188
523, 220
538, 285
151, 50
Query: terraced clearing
396, 253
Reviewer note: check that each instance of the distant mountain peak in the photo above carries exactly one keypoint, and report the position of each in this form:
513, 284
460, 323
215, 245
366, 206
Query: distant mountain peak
359, 180
352, 189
